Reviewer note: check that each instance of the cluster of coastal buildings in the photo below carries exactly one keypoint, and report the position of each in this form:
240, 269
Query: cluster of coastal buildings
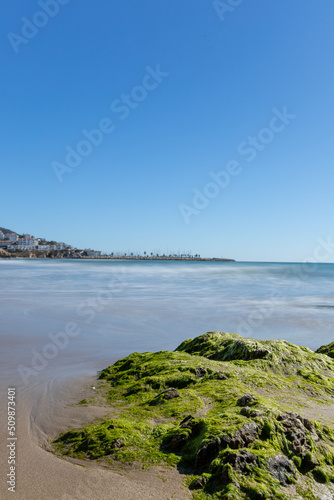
12, 241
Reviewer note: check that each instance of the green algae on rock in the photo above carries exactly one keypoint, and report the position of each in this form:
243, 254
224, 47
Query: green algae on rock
327, 349
245, 419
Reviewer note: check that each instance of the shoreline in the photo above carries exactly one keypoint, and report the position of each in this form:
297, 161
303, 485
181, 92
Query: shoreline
183, 259
31, 255
44, 411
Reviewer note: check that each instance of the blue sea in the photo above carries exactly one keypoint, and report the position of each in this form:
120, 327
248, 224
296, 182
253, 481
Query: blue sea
67, 316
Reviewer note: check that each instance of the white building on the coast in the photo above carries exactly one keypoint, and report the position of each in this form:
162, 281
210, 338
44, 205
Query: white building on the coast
12, 237
27, 244
11, 241
45, 247
56, 247
59, 246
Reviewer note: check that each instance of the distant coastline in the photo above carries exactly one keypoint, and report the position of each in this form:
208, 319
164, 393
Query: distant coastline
199, 259
25, 246
77, 256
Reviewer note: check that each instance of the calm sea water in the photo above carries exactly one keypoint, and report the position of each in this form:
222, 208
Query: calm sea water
99, 311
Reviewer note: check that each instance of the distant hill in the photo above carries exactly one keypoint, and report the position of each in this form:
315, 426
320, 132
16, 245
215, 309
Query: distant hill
6, 231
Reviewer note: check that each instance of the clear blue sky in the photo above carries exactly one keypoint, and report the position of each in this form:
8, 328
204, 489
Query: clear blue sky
222, 72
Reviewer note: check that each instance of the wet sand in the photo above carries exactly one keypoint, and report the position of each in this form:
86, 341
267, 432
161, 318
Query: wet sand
48, 408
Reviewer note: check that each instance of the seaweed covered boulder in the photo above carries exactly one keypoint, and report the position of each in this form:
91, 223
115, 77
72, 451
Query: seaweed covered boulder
244, 418
276, 354
225, 347
327, 349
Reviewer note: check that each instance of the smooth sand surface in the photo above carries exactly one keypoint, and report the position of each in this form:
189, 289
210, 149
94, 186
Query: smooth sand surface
48, 408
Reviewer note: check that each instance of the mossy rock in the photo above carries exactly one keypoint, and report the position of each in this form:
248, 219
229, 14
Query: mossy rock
232, 412
278, 354
327, 349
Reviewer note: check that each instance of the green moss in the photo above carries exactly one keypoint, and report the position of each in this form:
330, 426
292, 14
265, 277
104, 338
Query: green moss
320, 475
117, 439
327, 349
278, 354
202, 382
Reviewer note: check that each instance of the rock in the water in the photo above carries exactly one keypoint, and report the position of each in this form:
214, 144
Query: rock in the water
282, 469
227, 423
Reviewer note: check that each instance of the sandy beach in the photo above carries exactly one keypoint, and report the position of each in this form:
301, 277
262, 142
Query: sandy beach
43, 411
